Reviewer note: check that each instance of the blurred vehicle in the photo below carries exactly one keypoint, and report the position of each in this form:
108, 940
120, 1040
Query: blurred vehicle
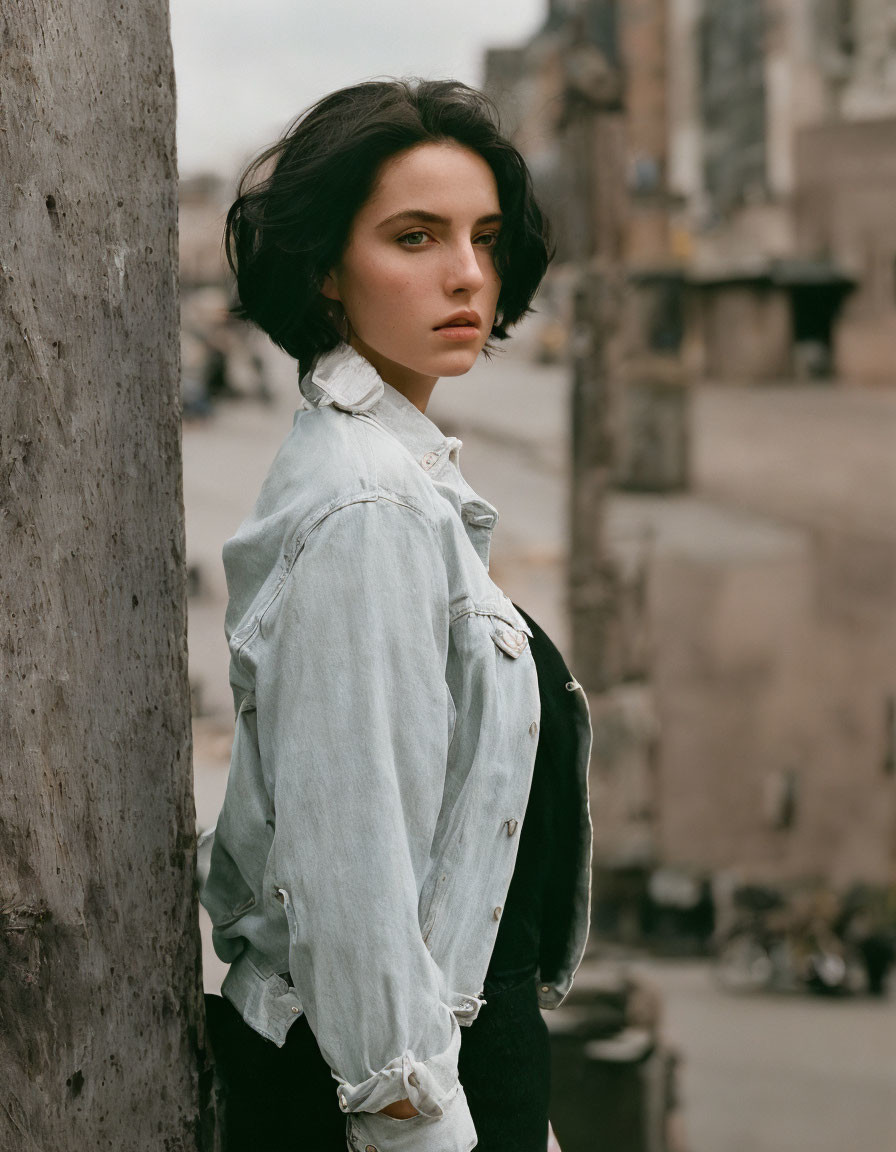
678, 911
220, 355
812, 942
867, 921
668, 909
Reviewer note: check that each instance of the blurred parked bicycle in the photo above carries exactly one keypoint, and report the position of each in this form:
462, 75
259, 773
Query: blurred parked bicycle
817, 943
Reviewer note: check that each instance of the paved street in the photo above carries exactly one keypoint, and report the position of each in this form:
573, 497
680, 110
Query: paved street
778, 1073
767, 1075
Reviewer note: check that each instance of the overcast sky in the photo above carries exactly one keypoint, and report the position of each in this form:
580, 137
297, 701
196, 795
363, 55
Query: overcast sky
245, 68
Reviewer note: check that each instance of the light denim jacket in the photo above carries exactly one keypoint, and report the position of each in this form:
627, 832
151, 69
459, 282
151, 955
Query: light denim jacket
387, 713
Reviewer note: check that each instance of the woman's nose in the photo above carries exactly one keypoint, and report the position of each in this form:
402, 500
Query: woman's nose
465, 273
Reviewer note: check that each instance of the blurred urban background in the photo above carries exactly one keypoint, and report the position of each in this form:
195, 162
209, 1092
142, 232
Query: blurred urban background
721, 318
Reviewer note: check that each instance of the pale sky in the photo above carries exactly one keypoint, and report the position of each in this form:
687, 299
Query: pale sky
246, 69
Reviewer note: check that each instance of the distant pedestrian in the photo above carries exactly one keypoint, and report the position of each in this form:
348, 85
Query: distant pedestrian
405, 843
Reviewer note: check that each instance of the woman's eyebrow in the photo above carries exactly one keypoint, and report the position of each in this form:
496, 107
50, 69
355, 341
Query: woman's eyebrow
434, 218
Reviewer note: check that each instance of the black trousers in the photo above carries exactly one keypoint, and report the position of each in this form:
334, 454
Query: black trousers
284, 1099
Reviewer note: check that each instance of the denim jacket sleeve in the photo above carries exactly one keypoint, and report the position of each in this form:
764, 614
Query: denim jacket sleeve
353, 722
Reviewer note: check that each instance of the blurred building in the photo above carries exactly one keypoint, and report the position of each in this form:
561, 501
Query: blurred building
203, 203
220, 356
788, 122
761, 245
761, 154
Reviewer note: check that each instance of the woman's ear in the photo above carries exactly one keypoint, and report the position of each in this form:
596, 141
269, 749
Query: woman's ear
329, 287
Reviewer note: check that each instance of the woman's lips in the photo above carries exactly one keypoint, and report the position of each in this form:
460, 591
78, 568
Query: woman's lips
464, 325
459, 332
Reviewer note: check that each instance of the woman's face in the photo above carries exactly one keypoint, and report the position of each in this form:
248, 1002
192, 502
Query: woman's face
417, 278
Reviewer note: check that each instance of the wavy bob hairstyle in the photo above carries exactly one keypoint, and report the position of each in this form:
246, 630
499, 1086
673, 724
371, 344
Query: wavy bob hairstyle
289, 227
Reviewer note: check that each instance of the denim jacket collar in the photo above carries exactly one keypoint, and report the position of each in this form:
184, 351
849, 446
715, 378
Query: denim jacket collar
344, 378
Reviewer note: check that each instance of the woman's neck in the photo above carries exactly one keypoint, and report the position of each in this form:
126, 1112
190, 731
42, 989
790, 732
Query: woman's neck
413, 385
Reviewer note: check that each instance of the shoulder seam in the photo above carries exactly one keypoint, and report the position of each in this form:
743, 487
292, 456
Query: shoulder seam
366, 496
313, 520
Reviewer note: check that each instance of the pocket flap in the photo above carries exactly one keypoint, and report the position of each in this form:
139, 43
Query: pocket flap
511, 640
514, 617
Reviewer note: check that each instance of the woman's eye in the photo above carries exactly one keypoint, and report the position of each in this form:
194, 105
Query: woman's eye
487, 239
413, 239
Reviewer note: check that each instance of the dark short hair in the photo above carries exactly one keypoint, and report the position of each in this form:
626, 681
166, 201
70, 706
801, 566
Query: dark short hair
285, 231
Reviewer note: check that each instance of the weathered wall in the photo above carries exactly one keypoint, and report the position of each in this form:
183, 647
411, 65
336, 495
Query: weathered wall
773, 633
100, 1008
643, 36
763, 671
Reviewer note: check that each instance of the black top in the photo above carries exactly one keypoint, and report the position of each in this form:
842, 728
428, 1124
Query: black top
539, 908
538, 912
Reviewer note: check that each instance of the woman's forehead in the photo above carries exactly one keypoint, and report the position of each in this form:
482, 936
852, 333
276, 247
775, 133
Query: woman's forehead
439, 179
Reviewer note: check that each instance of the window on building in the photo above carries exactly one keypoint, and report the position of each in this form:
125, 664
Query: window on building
781, 798
845, 26
733, 103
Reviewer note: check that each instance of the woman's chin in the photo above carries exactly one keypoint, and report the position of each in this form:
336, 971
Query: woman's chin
457, 361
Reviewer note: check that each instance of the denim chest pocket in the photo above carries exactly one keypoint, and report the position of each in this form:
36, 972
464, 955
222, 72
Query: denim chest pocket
507, 628
511, 640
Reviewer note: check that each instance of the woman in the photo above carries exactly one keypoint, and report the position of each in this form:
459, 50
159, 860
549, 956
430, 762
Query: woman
388, 698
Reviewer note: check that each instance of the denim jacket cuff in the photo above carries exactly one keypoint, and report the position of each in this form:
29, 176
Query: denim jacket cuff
452, 1131
404, 1078
428, 1084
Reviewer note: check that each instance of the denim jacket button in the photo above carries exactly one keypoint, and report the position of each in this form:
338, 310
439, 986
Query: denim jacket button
429, 459
533, 728
497, 913
511, 826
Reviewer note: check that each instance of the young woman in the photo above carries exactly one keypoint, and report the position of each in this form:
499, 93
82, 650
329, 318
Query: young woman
403, 855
